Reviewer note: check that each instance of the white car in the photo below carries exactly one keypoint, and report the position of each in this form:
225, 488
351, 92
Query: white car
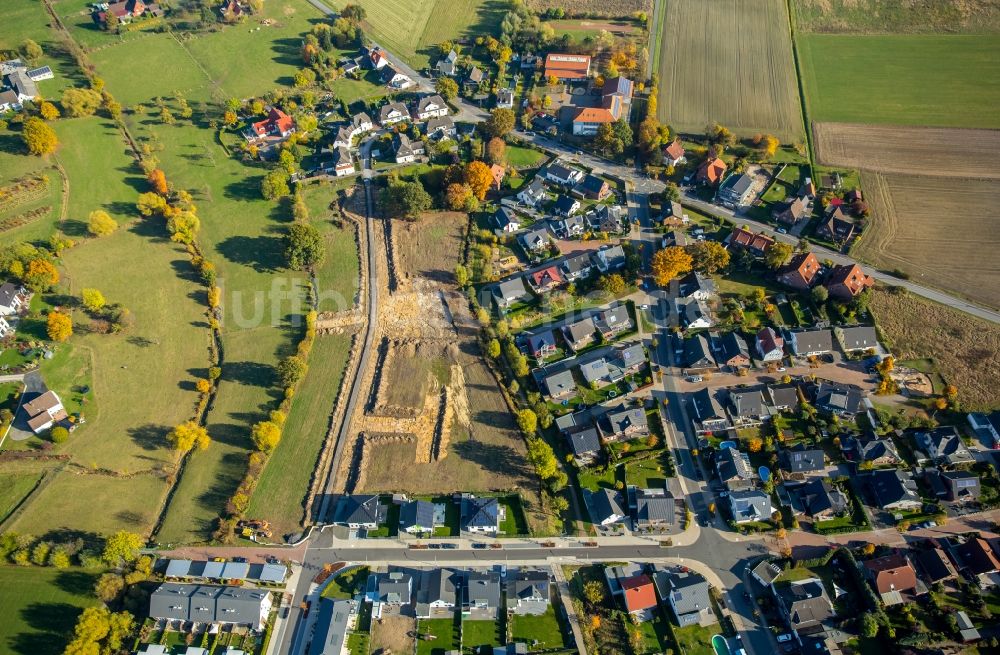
784, 638
694, 378
782, 230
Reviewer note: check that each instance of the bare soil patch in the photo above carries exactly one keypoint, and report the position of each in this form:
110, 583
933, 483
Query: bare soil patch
943, 152
608, 8
393, 633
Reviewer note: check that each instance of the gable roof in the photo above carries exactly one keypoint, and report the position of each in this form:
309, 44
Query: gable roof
805, 602
800, 459
934, 565
892, 573
605, 504
688, 591
741, 238
360, 509
480, 512
567, 66
705, 406
850, 277
890, 486
812, 340
584, 442
578, 330
712, 170
977, 556
697, 352
416, 514
747, 402
654, 506
675, 150
813, 497
639, 592
732, 346
858, 337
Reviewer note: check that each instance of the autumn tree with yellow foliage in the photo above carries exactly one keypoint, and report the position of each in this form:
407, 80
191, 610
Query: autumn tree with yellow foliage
669, 263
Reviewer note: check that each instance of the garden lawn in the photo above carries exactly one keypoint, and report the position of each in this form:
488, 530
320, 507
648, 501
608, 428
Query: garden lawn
39, 607
514, 522
540, 632
116, 65
345, 585
476, 634
445, 632
520, 157
886, 78
695, 639
281, 492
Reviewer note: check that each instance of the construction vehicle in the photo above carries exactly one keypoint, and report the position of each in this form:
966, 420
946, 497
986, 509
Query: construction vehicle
254, 529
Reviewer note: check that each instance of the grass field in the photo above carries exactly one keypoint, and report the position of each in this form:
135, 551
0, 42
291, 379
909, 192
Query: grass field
897, 16
283, 486
729, 62
595, 7
27, 19
116, 64
445, 633
942, 80
338, 277
476, 634
411, 29
940, 230
40, 606
917, 328
17, 480
539, 632
520, 157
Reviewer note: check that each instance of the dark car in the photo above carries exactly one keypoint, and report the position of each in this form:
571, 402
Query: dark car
449, 546
240, 560
479, 545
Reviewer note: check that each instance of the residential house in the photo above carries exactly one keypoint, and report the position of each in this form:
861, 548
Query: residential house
740, 239
376, 58
437, 593
751, 506
473, 80
673, 154
432, 106
342, 163
954, 486
933, 565
809, 342
480, 515
575, 267
769, 346
390, 592
506, 220
616, 103
986, 427
585, 445
416, 516
891, 489
698, 355
546, 279
707, 414
747, 407
278, 125
791, 212
361, 123
891, 575
815, 498
567, 67
535, 239
532, 194
605, 507
392, 113
766, 572
855, 338
13, 299
343, 138
126, 10
505, 98
211, 604
528, 592
623, 424
593, 188
588, 120
560, 385
407, 150
613, 321
9, 101
800, 272
542, 344
847, 281
942, 445
44, 411
440, 127
579, 334
783, 397
807, 190
698, 286
711, 171
566, 206
557, 173
639, 595
394, 78
844, 400
734, 470
799, 459
732, 351
360, 511
654, 509
335, 620
871, 451
351, 66
804, 604
694, 314
976, 557
674, 211
481, 594
510, 292
836, 226
736, 191
447, 65
687, 594
5, 328
607, 218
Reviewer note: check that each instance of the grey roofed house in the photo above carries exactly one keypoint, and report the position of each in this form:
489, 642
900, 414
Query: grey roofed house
557, 172
596, 370
675, 238
814, 498
709, 415
543, 342
943, 445
210, 604
432, 102
577, 266
609, 259
844, 399
480, 514
736, 189
613, 320
510, 291
393, 587
405, 147
535, 239
630, 356
860, 337
506, 219
933, 565
481, 589
693, 312
811, 342
560, 384
697, 354
579, 333
566, 205
783, 396
570, 225
393, 112
213, 570
694, 283
751, 505
733, 468
799, 459
607, 218
446, 66
436, 589
416, 516
584, 443
747, 403
475, 75
804, 603
733, 350
361, 510
528, 591
362, 121
442, 126
961, 486
687, 593
877, 451
627, 421
533, 192
891, 489
653, 507
332, 626
24, 85
606, 507
8, 99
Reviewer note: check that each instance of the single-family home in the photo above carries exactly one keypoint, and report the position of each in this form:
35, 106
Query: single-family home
391, 113
707, 414
480, 515
891, 575
750, 506
734, 469
506, 219
277, 125
891, 489
605, 507
871, 451
687, 594
375, 58
13, 299
746, 407
335, 619
542, 344
579, 334
390, 591
343, 138
800, 459
126, 10
394, 78
360, 511
804, 603
800, 272
585, 444
342, 163
428, 107
565, 206
847, 281
844, 400
933, 565
673, 154
473, 79
481, 594
698, 355
447, 65
437, 593
769, 346
736, 191
610, 219
836, 226
9, 101
505, 98
6, 329
811, 341
698, 286
567, 67
791, 212
440, 127
783, 397
654, 509
757, 244
44, 411
815, 498
856, 337
613, 321
639, 595
623, 424
535, 239
407, 150
711, 171
557, 173
806, 190
560, 385
732, 351
976, 557
510, 292
942, 445
528, 592
694, 313
593, 188
609, 258
545, 279
954, 486
533, 193
569, 227
986, 427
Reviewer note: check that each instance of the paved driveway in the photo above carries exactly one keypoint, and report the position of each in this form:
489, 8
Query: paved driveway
34, 386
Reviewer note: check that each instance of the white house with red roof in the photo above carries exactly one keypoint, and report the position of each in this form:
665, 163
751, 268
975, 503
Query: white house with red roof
277, 127
770, 347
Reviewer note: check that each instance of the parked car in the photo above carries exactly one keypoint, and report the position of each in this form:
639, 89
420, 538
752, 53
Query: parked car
784, 638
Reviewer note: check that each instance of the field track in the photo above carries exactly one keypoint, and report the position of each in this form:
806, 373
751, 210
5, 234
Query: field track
942, 152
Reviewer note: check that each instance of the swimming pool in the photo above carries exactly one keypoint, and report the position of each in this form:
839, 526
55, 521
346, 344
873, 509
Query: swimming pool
720, 645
